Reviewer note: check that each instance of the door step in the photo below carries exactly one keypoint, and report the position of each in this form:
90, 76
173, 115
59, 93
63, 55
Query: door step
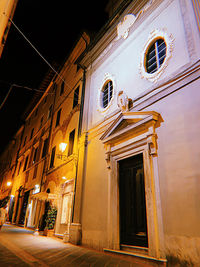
144, 258
134, 249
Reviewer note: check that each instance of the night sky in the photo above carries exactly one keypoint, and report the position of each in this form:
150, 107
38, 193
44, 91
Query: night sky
53, 27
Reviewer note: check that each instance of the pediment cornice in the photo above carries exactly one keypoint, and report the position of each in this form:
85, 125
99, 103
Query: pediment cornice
127, 122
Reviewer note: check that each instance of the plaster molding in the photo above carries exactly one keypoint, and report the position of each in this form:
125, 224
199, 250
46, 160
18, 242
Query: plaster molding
122, 101
169, 40
124, 26
123, 140
188, 29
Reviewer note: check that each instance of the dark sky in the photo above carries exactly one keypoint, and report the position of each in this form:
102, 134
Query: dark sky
52, 27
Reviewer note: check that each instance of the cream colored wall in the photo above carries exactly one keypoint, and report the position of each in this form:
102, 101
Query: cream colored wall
179, 174
95, 203
178, 135
69, 120
6, 8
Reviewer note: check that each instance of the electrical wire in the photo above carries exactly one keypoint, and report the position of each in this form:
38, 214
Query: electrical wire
17, 28
35, 49
26, 87
30, 43
6, 96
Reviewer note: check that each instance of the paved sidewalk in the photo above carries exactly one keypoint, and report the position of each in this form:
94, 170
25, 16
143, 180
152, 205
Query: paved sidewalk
19, 247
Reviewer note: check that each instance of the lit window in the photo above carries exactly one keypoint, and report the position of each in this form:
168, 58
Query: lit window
25, 140
45, 147
31, 133
71, 142
54, 86
50, 112
41, 122
52, 157
26, 162
107, 93
62, 88
58, 117
155, 55
35, 155
76, 95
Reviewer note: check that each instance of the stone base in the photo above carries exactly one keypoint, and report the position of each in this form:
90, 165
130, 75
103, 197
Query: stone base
66, 237
48, 233
75, 233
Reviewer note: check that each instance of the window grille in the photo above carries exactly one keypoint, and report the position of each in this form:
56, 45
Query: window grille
107, 93
155, 56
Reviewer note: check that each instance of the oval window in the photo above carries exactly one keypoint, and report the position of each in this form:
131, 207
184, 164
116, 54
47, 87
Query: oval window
155, 56
107, 93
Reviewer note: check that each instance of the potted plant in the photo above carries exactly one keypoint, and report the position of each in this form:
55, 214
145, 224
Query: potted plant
50, 221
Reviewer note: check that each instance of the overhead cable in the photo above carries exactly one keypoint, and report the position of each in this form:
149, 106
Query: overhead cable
37, 51
6, 96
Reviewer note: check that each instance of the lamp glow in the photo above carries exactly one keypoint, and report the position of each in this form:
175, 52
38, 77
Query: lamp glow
64, 178
9, 183
62, 147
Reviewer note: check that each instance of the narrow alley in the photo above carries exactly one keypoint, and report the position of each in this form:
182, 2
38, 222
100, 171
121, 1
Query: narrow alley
19, 247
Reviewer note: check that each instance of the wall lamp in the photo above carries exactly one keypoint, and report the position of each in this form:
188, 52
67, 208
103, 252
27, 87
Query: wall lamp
62, 147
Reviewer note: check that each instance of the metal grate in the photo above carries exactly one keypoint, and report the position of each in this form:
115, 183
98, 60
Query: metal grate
107, 93
155, 56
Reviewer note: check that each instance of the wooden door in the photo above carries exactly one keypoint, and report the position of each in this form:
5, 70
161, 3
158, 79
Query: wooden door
133, 221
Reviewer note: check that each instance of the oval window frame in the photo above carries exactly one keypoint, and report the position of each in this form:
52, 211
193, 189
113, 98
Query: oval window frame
169, 41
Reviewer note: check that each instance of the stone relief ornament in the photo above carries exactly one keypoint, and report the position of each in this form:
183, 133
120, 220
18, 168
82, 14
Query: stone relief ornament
123, 101
169, 41
128, 20
124, 26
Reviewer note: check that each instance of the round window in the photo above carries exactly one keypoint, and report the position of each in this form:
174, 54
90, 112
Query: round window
155, 55
107, 93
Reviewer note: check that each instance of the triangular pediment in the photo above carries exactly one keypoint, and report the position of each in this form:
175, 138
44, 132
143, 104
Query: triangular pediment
127, 121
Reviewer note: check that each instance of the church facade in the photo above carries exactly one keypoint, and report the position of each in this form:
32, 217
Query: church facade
140, 185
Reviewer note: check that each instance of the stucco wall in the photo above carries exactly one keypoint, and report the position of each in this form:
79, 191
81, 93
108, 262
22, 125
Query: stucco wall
178, 134
124, 58
94, 220
179, 173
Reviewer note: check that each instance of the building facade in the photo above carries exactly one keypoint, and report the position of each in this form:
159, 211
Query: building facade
122, 158
65, 145
32, 159
139, 189
42, 175
7, 9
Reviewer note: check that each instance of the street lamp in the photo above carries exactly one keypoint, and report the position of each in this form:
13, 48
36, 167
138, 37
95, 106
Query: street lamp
9, 183
62, 147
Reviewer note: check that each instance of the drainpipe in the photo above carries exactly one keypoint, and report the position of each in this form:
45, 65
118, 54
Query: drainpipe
80, 125
79, 134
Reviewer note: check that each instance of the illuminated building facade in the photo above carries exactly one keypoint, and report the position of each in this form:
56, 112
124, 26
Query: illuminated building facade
123, 169
7, 9
65, 145
32, 159
140, 186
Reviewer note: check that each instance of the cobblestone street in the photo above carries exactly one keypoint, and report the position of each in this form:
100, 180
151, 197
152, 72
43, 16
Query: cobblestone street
19, 247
